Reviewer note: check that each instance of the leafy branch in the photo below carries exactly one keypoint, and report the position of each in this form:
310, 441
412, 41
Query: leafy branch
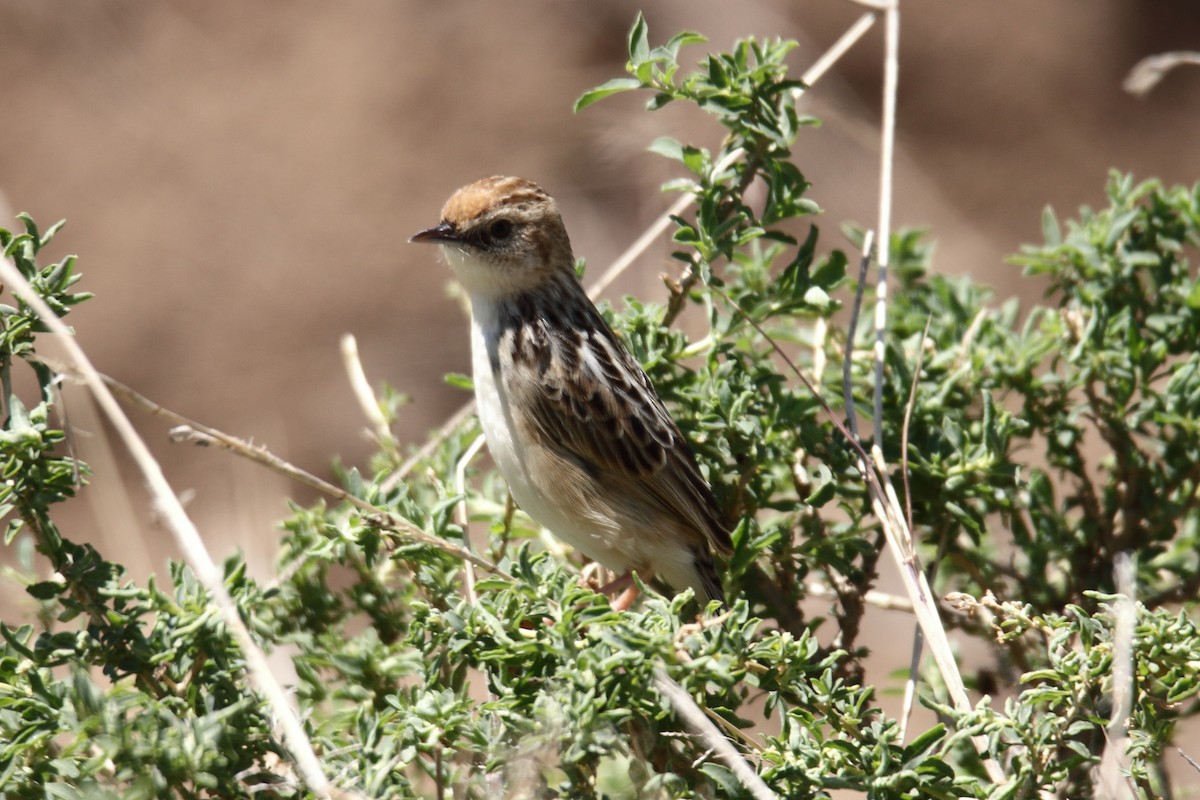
1041, 446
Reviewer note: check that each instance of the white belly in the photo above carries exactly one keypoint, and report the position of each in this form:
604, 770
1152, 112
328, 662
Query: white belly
509, 452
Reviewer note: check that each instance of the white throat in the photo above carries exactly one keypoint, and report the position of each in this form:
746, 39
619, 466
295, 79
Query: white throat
488, 278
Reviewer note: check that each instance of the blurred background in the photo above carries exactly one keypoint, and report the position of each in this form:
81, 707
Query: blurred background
240, 180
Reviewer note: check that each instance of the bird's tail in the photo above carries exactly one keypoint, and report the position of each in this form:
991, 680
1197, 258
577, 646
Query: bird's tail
708, 584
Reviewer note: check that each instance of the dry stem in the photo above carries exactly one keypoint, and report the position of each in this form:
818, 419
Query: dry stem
188, 430
188, 539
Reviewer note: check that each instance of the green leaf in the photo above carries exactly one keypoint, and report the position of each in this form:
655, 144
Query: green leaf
1051, 230
1193, 297
666, 146
822, 494
722, 776
18, 417
18, 639
830, 272
818, 298
658, 101
1119, 225
46, 590
680, 39
12, 529
459, 381
639, 45
50, 234
604, 90
354, 484
696, 159
921, 744
31, 228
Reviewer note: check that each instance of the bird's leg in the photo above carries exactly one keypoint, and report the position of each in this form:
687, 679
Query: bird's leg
625, 601
628, 588
593, 575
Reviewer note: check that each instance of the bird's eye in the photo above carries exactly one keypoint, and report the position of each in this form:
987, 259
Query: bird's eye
500, 230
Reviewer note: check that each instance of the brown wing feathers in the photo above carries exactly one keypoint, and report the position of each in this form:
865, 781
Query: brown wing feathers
590, 389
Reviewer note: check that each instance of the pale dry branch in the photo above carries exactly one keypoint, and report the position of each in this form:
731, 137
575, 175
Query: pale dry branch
883, 496
918, 639
1113, 783
878, 5
701, 726
842, 45
431, 445
820, 335
188, 539
639, 246
908, 409
864, 263
887, 510
910, 684
461, 514
968, 339
873, 597
188, 430
363, 392
887, 157
1147, 73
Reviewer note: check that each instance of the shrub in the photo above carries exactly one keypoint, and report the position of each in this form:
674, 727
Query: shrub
1042, 447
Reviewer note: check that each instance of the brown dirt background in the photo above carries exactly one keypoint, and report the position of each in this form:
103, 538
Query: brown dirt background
239, 180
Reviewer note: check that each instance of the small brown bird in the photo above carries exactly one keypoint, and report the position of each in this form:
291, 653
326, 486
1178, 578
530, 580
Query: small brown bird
584, 442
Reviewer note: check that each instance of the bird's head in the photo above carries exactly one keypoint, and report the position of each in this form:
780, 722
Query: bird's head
502, 236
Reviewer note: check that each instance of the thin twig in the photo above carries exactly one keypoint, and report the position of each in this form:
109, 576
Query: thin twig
891, 70
891, 518
910, 684
1114, 763
680, 288
733, 731
693, 718
968, 338
431, 445
1146, 74
460, 513
363, 392
188, 539
908, 409
839, 48
879, 5
873, 597
914, 664
198, 433
819, 359
918, 647
639, 246
900, 532
864, 263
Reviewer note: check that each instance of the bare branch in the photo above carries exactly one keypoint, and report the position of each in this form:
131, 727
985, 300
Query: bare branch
188, 430
1114, 764
460, 513
1147, 73
187, 537
363, 392
693, 717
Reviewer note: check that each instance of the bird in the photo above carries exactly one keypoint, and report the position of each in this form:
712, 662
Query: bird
572, 421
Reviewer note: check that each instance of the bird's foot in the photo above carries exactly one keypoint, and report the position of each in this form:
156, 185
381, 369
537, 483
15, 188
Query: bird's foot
628, 589
623, 589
